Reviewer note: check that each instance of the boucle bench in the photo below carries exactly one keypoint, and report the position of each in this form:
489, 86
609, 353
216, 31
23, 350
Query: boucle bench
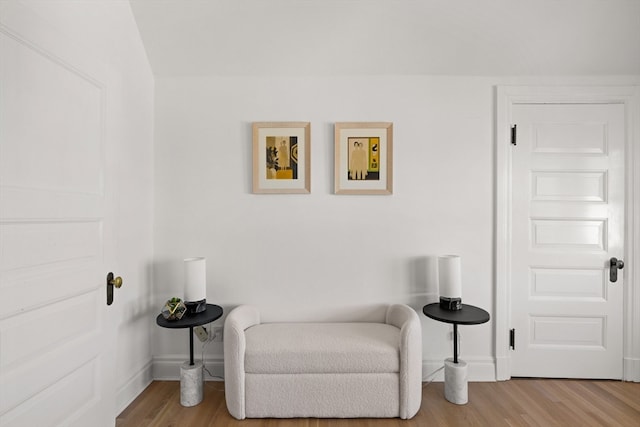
367, 366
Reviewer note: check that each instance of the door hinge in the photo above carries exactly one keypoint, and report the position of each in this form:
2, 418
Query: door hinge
512, 339
514, 134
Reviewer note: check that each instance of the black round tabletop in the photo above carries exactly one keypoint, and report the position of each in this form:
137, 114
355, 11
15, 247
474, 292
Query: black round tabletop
467, 315
213, 312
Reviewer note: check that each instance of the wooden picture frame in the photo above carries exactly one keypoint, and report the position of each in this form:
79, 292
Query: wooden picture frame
281, 157
363, 158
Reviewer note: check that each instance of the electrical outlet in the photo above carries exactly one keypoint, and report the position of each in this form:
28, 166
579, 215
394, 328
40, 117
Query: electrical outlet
201, 333
217, 333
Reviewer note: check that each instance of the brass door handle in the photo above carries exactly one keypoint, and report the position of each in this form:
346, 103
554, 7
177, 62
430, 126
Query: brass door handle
111, 282
117, 282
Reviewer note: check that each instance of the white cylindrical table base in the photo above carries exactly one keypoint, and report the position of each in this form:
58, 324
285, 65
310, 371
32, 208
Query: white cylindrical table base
455, 381
191, 384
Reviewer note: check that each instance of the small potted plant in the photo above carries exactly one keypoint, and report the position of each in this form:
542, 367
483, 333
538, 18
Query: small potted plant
174, 309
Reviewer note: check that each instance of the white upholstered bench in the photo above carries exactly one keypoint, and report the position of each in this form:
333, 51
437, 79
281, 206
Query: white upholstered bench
368, 366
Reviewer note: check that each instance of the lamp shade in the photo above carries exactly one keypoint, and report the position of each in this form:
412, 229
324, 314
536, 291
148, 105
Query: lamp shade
449, 276
195, 279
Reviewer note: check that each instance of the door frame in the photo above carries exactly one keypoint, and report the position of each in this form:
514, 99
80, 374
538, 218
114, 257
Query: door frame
507, 97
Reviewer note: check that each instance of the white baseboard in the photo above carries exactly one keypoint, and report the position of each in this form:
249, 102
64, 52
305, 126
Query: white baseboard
167, 368
133, 387
503, 368
631, 369
479, 370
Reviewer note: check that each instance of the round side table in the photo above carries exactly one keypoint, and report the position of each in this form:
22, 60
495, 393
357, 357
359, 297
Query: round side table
455, 370
191, 377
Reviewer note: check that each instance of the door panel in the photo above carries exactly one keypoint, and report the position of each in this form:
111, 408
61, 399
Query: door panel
55, 224
567, 331
568, 220
568, 283
584, 137
569, 186
567, 234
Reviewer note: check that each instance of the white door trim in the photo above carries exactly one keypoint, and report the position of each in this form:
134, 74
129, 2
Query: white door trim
507, 96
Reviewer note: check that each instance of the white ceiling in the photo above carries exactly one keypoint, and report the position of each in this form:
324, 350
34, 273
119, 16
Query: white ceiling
391, 37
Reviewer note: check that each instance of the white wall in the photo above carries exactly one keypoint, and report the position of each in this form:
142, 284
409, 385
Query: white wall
324, 250
108, 30
133, 119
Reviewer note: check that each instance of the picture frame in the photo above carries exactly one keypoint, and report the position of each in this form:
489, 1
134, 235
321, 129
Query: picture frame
281, 157
363, 158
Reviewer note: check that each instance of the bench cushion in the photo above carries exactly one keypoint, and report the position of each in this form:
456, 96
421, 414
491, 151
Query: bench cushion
323, 395
316, 348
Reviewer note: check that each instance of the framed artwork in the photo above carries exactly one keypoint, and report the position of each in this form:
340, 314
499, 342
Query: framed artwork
364, 158
281, 157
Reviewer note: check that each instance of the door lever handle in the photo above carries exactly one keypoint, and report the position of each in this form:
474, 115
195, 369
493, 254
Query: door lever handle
111, 282
614, 265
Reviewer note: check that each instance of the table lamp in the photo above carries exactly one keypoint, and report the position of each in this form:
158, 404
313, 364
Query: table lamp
449, 282
195, 284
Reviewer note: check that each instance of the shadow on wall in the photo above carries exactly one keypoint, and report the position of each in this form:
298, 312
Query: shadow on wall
168, 280
423, 281
139, 307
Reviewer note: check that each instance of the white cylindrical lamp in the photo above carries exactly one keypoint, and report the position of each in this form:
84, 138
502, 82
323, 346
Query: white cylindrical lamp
450, 282
195, 284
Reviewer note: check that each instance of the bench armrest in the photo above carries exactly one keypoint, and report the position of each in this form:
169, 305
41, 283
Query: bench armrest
239, 319
407, 320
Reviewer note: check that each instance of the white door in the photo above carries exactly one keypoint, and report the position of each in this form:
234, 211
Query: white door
568, 189
56, 227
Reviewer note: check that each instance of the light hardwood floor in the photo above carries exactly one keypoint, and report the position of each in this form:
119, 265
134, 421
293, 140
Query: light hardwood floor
518, 402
